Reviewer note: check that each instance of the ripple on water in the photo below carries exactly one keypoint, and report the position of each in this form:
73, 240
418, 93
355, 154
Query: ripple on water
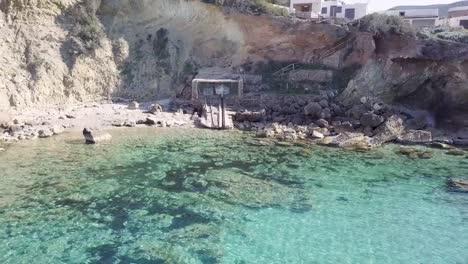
194, 196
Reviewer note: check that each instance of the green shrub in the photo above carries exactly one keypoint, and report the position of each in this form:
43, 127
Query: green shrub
87, 26
380, 24
267, 7
458, 34
256, 7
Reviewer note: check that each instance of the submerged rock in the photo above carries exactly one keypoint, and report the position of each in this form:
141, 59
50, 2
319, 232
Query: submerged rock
457, 185
94, 136
242, 189
455, 152
414, 153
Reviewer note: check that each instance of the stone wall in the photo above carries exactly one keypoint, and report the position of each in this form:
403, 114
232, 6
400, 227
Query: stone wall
311, 75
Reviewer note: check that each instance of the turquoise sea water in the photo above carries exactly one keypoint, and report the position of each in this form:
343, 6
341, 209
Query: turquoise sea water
193, 196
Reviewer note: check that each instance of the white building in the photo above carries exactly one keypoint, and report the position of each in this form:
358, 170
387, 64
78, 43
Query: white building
457, 17
418, 17
328, 9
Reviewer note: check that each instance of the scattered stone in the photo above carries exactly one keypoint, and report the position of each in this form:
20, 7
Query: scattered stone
368, 131
371, 120
440, 145
316, 135
69, 116
250, 116
322, 123
5, 120
390, 130
347, 140
378, 107
94, 136
415, 137
118, 123
15, 130
289, 134
455, 152
155, 108
457, 185
150, 121
326, 113
56, 130
129, 124
324, 103
134, 105
45, 133
344, 127
460, 142
357, 111
313, 109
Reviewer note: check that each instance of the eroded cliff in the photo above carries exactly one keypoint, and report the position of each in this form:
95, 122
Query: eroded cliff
67, 51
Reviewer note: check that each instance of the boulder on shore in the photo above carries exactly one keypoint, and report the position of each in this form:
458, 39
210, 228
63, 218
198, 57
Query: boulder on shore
415, 137
250, 116
45, 133
348, 140
5, 120
316, 135
313, 109
389, 131
457, 185
94, 136
155, 108
134, 105
371, 120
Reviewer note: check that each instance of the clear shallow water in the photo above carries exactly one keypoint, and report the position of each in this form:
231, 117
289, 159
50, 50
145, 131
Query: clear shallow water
168, 196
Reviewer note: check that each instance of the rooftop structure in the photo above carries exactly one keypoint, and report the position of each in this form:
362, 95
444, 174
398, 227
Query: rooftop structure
212, 82
314, 9
458, 17
418, 17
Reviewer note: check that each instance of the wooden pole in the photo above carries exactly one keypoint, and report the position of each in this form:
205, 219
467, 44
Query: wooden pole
223, 112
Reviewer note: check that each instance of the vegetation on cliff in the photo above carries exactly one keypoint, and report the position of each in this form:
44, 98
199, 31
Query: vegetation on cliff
255, 7
380, 24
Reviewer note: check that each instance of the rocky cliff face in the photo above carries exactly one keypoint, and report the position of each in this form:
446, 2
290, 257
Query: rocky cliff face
66, 51
420, 74
36, 67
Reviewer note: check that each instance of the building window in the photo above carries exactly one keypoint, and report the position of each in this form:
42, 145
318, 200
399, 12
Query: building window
464, 23
402, 14
324, 10
350, 13
339, 9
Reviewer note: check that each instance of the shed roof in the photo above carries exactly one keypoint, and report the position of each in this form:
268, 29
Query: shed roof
217, 75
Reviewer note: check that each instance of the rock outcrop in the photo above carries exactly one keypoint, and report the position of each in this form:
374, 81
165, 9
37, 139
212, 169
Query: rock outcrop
95, 136
68, 51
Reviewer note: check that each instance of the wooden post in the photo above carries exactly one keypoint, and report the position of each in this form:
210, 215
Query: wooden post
194, 90
223, 112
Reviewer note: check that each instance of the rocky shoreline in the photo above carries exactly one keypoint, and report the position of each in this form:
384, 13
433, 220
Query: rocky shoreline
317, 119
34, 123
